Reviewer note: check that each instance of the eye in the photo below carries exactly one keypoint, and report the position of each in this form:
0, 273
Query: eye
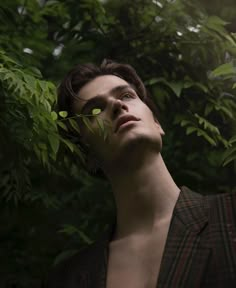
127, 95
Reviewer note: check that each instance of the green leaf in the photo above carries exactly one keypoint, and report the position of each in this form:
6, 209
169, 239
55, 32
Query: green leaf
190, 130
96, 111
226, 111
202, 133
208, 109
34, 71
216, 21
100, 125
7, 59
78, 152
207, 125
68, 144
42, 146
176, 87
232, 140
74, 125
62, 125
54, 142
30, 80
153, 81
229, 159
185, 122
217, 25
42, 85
229, 152
84, 237
64, 255
87, 123
223, 70
63, 114
201, 86
189, 84
44, 157
54, 115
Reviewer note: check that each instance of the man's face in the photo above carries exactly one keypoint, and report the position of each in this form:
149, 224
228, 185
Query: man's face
129, 121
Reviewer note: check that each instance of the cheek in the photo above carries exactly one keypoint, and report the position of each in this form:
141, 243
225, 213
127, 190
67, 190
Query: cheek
147, 114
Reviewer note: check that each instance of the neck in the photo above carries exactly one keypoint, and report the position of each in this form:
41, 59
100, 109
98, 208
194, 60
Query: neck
145, 195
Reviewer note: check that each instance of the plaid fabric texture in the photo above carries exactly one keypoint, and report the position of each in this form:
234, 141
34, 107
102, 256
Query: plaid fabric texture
200, 250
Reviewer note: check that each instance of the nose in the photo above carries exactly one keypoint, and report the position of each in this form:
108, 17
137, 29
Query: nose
117, 106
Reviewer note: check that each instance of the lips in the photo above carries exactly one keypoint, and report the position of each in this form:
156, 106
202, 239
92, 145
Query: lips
123, 119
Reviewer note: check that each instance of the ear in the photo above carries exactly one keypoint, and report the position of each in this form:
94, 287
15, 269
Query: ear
162, 132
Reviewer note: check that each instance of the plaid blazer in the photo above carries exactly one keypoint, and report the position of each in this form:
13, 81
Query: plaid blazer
200, 250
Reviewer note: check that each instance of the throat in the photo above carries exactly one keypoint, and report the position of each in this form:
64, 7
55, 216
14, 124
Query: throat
143, 213
144, 197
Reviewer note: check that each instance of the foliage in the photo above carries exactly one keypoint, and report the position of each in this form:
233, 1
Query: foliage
185, 53
26, 125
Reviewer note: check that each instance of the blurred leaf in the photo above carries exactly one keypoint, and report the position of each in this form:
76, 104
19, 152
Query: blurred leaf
62, 125
96, 111
87, 123
54, 115
54, 142
63, 114
64, 255
224, 69
74, 125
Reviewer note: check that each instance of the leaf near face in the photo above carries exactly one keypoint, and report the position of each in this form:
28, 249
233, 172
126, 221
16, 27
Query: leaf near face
96, 111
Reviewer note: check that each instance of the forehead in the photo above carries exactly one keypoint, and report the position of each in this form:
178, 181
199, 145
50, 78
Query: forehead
99, 86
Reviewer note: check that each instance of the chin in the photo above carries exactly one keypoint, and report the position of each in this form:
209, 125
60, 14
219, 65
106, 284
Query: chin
137, 143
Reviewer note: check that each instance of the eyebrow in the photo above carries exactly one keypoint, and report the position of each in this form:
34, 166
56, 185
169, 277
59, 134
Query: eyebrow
97, 97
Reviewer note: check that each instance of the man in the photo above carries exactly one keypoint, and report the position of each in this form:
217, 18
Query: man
164, 236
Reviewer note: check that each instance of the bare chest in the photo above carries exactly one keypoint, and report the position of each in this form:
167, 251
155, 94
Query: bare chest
136, 262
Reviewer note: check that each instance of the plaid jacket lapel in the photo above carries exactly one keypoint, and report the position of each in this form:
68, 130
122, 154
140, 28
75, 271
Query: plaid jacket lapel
185, 259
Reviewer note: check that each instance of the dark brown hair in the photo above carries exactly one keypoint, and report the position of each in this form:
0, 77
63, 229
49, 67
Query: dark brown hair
83, 73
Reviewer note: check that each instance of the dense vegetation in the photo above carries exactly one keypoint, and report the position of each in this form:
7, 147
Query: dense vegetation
184, 50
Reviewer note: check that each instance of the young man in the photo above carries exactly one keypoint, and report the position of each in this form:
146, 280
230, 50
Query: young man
164, 236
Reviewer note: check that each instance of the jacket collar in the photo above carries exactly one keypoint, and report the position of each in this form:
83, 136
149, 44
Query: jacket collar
184, 252
192, 210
